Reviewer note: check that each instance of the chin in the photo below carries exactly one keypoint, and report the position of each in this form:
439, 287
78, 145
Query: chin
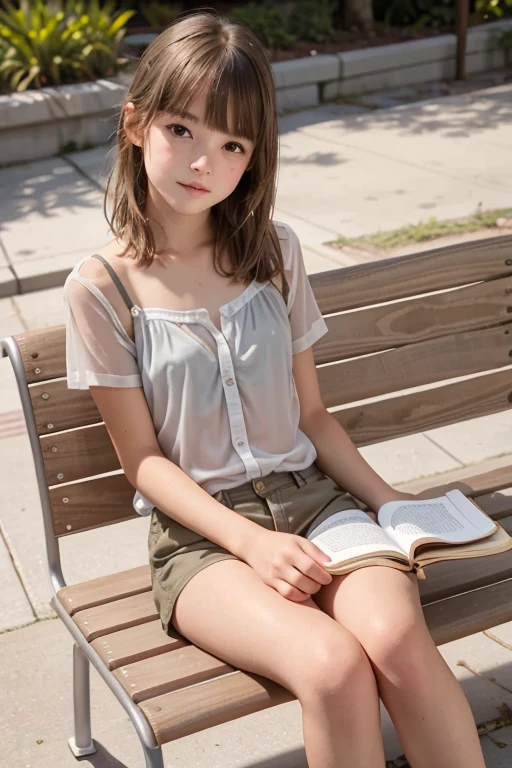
187, 208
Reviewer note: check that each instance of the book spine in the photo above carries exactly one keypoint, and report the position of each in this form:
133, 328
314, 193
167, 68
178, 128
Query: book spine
418, 570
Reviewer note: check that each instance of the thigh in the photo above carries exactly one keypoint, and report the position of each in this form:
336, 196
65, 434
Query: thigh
227, 610
372, 602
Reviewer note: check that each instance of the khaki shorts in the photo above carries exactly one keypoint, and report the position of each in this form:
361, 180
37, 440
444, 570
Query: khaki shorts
282, 501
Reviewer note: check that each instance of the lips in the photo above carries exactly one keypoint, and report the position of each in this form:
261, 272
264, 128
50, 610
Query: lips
195, 185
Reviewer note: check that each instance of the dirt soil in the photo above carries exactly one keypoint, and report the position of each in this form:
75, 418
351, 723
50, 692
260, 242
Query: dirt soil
350, 40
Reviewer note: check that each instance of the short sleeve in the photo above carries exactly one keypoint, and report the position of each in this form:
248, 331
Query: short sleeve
306, 321
98, 350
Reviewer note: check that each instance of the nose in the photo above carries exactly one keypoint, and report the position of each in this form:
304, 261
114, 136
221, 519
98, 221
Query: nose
201, 164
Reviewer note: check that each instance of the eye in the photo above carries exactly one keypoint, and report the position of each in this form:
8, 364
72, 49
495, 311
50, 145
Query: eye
179, 130
234, 146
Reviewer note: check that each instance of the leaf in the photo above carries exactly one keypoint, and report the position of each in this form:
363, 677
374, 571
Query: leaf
33, 73
120, 22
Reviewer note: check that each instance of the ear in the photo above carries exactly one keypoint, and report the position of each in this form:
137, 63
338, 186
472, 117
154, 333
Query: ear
134, 135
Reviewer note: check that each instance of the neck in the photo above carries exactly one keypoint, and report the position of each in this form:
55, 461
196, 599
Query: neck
176, 233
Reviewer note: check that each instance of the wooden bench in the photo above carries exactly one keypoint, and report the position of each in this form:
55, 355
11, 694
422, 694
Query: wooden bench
394, 325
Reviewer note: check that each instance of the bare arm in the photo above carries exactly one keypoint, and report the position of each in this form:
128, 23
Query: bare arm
289, 564
129, 424
337, 455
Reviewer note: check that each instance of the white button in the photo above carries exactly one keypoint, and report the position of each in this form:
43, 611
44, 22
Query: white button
229, 382
240, 443
139, 504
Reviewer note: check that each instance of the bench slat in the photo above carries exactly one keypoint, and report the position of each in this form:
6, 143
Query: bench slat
448, 578
404, 322
78, 453
415, 365
127, 646
113, 616
335, 291
181, 713
81, 511
43, 350
104, 589
471, 612
169, 672
88, 451
395, 369
475, 480
394, 278
408, 414
63, 408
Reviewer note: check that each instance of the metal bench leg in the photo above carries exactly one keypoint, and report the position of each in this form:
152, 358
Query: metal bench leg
154, 757
81, 744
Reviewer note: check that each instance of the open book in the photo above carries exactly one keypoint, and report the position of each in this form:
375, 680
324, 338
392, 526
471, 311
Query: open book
409, 534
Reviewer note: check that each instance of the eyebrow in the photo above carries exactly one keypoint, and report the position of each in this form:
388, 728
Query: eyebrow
188, 116
194, 119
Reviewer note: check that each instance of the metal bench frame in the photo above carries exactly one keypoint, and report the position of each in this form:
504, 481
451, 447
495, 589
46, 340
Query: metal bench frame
81, 744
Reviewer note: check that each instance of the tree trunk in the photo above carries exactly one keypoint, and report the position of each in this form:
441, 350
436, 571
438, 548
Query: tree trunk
359, 13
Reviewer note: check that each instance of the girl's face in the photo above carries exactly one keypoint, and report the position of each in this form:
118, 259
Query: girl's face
189, 166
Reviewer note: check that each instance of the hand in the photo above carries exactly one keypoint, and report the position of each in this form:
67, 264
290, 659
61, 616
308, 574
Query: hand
291, 564
393, 496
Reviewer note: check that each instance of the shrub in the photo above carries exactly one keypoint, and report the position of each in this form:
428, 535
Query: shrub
311, 20
493, 8
420, 13
51, 43
279, 24
269, 23
436, 14
159, 15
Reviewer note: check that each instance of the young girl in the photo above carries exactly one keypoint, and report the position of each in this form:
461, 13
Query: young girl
194, 328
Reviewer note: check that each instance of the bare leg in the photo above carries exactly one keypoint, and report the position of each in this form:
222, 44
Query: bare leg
381, 607
229, 612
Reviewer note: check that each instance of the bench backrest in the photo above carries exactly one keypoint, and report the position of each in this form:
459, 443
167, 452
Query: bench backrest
394, 325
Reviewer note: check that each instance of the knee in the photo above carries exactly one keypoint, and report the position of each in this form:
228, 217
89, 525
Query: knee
399, 646
334, 666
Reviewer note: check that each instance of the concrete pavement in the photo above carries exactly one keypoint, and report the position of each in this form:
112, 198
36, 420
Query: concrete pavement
344, 170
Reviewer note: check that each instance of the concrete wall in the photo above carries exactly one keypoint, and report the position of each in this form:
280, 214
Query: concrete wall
42, 123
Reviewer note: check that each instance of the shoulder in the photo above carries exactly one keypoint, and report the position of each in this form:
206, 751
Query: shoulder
90, 283
93, 270
289, 242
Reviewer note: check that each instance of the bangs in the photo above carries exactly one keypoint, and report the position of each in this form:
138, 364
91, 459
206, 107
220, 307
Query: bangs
230, 82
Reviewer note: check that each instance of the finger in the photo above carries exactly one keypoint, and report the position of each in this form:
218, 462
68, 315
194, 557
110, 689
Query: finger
311, 567
290, 592
300, 581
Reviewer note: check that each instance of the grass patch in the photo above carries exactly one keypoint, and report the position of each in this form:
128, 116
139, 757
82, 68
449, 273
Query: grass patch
426, 230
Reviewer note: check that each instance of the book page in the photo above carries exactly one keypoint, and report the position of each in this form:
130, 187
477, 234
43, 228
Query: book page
451, 518
351, 533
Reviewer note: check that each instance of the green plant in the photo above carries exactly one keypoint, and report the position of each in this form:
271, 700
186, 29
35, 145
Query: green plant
420, 13
267, 22
436, 14
66, 41
400, 12
311, 20
489, 8
159, 15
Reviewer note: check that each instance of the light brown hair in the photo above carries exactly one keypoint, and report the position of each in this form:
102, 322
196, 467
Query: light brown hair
230, 64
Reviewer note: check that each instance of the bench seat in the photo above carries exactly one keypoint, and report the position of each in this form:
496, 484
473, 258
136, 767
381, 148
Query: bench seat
182, 689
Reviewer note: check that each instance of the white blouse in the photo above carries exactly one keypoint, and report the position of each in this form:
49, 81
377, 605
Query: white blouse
224, 403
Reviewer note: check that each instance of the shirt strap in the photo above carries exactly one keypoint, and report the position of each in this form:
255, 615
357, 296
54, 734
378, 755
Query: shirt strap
120, 287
